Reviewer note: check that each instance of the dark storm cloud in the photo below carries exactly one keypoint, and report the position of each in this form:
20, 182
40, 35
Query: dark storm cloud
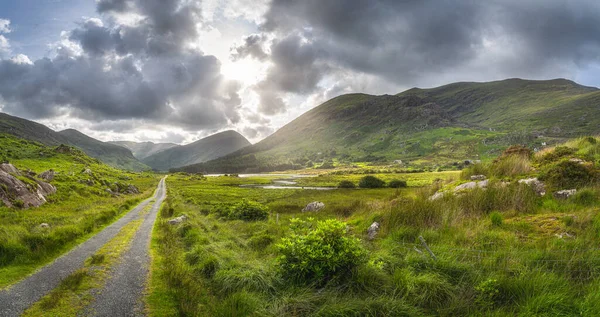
418, 41
142, 71
252, 46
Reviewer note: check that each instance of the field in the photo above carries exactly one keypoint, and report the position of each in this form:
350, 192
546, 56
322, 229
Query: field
79, 209
502, 251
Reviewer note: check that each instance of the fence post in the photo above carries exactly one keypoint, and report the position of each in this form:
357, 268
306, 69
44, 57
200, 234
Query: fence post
427, 247
277, 219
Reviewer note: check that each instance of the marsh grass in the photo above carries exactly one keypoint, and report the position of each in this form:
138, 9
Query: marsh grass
502, 251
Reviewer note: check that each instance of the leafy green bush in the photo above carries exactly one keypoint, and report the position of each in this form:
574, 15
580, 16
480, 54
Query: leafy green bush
346, 184
558, 153
397, 183
496, 219
569, 174
319, 252
249, 211
487, 293
371, 182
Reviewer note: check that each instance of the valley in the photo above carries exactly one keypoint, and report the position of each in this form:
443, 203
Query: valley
487, 220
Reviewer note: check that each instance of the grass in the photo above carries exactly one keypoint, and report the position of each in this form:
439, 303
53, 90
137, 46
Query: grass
74, 213
502, 251
75, 292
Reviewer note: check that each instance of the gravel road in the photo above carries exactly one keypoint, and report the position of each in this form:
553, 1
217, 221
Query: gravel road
123, 293
17, 298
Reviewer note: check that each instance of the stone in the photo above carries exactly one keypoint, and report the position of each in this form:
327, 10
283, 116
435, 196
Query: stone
478, 177
465, 186
48, 175
16, 193
87, 171
373, 230
9, 168
536, 184
177, 220
565, 194
576, 160
44, 226
131, 190
314, 206
437, 196
398, 162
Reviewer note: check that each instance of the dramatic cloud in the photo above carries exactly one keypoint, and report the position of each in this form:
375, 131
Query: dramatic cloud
170, 64
419, 43
143, 70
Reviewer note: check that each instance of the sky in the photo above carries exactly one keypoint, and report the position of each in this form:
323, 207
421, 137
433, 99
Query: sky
179, 70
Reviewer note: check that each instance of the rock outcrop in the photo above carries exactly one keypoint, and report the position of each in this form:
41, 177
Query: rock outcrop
16, 193
314, 206
565, 194
48, 175
9, 168
536, 184
177, 220
478, 177
471, 185
373, 230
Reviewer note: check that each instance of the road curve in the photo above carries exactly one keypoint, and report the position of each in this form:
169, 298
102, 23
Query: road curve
18, 297
123, 293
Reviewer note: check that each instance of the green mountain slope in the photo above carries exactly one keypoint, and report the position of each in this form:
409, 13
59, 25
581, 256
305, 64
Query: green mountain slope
203, 150
435, 126
142, 150
110, 154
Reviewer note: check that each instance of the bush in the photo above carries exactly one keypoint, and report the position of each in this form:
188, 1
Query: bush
245, 210
249, 211
496, 219
371, 182
397, 183
568, 174
346, 184
319, 253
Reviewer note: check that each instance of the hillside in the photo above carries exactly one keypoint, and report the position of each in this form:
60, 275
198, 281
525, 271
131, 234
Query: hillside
203, 150
110, 154
438, 126
142, 150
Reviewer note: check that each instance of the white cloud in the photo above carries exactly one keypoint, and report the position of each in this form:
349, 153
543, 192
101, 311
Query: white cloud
5, 26
21, 59
4, 45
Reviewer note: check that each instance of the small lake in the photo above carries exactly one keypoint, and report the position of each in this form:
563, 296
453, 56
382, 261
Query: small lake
286, 181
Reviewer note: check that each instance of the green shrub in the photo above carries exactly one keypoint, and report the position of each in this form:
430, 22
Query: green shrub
346, 184
496, 219
371, 182
487, 293
319, 252
558, 153
568, 174
249, 211
397, 183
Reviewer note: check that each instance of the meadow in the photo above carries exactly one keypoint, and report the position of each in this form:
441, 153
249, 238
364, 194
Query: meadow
499, 251
80, 208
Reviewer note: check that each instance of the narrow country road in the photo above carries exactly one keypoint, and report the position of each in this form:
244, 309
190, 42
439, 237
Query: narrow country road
17, 298
123, 293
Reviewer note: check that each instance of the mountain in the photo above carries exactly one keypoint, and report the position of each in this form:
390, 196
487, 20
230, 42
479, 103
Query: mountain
110, 154
203, 150
425, 127
142, 150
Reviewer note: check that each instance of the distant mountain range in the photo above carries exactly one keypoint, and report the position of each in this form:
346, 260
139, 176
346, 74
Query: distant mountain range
110, 154
431, 127
119, 154
142, 150
203, 150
